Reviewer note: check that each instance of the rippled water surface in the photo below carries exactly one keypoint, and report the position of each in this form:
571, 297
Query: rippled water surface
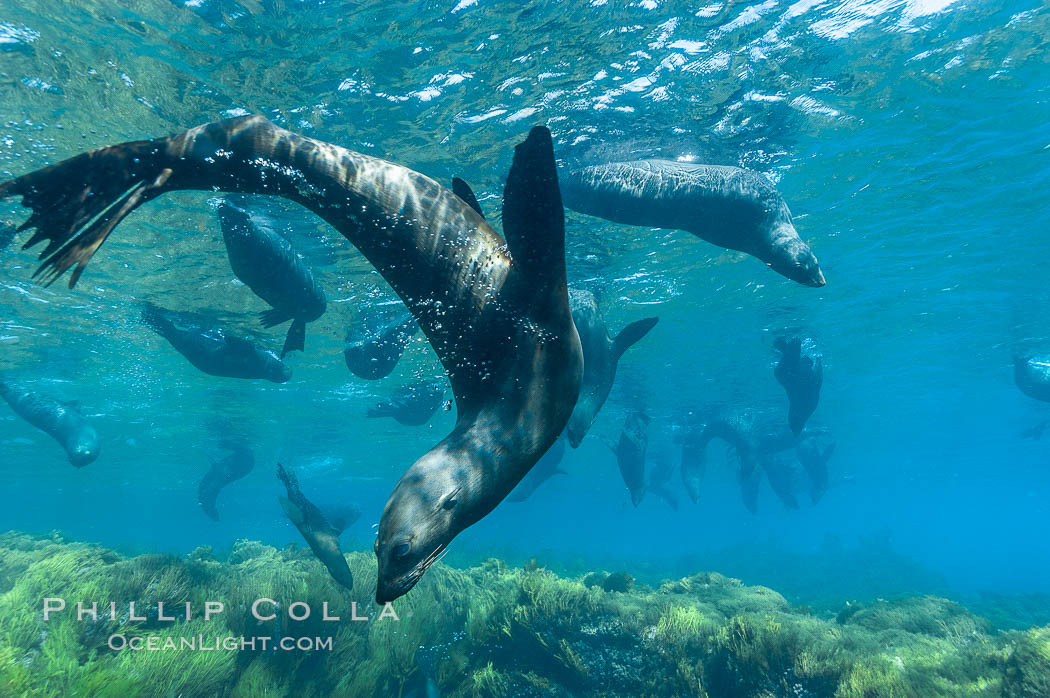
909, 138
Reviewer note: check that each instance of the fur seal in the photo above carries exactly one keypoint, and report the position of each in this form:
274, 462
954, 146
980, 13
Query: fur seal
659, 478
545, 469
781, 477
1032, 375
630, 454
375, 355
601, 354
813, 453
60, 420
496, 312
801, 372
321, 535
238, 462
727, 206
211, 349
412, 405
268, 264
733, 427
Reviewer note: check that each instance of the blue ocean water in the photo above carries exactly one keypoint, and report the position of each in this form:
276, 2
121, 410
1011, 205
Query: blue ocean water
908, 138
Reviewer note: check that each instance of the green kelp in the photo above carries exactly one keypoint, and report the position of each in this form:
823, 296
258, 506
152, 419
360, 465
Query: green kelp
489, 630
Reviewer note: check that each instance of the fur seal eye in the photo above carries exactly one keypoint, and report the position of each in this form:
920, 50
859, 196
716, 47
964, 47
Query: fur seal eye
450, 503
401, 550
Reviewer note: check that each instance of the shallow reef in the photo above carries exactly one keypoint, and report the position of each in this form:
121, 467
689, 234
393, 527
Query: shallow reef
489, 630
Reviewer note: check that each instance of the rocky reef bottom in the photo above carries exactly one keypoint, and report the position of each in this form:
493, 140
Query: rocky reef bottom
485, 631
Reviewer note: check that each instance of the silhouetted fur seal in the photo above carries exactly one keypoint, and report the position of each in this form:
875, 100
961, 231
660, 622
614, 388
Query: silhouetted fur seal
412, 405
211, 349
376, 354
601, 353
61, 421
238, 462
268, 264
801, 372
630, 454
496, 312
728, 206
321, 535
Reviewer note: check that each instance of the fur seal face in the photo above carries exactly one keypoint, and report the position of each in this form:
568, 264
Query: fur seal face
82, 446
791, 257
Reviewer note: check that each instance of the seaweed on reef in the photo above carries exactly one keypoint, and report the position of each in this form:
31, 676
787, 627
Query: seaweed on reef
487, 630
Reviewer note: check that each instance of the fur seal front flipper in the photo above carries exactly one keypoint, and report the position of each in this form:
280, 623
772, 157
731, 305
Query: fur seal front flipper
497, 318
463, 191
60, 420
320, 534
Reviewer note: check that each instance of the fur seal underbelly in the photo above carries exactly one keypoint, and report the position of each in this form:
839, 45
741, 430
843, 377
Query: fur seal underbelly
727, 206
496, 313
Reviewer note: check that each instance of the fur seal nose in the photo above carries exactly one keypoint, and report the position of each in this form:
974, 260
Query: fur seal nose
820, 280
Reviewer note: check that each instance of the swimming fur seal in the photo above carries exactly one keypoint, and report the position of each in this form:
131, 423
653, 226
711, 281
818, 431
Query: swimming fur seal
630, 454
211, 349
727, 206
375, 355
496, 312
659, 478
601, 354
268, 264
813, 453
412, 405
545, 469
732, 426
60, 420
801, 372
237, 463
321, 535
1032, 375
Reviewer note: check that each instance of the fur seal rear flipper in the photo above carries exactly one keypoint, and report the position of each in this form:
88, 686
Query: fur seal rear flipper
268, 264
60, 420
601, 355
728, 206
497, 314
320, 534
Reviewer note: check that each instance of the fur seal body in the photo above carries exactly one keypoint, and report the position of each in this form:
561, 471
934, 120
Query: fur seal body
411, 405
61, 421
211, 349
321, 534
232, 467
496, 312
727, 206
630, 454
268, 264
1032, 375
801, 372
736, 429
601, 354
813, 453
374, 356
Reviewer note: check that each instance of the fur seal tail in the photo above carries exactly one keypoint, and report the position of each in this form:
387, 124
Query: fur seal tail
78, 202
631, 334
